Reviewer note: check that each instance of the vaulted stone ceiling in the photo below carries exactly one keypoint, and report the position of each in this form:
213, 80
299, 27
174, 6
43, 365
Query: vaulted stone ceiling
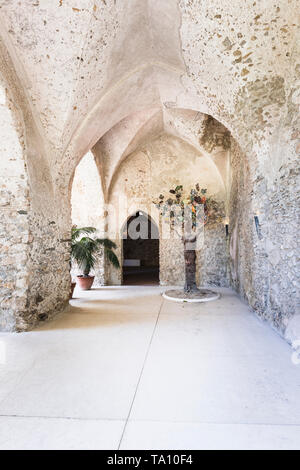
134, 132
111, 76
85, 65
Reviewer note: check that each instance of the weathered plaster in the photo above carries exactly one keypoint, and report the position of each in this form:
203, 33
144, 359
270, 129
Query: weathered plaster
161, 164
112, 76
88, 208
264, 269
34, 249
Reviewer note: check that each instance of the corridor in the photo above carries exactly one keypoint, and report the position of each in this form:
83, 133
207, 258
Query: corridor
123, 368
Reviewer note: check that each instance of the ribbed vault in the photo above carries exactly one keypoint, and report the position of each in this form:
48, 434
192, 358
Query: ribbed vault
85, 65
120, 77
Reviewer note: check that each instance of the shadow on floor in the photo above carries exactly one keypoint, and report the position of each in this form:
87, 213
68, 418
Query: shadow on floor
142, 276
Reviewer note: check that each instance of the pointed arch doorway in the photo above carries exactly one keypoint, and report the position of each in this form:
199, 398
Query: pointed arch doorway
140, 240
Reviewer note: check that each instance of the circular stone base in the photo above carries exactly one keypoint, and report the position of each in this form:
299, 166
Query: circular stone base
201, 295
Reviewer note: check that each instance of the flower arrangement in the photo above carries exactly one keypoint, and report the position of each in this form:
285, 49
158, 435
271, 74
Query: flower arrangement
187, 216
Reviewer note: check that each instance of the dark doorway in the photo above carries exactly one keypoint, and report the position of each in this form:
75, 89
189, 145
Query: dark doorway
140, 251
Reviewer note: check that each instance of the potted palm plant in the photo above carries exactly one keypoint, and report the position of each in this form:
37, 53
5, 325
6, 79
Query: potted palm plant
84, 249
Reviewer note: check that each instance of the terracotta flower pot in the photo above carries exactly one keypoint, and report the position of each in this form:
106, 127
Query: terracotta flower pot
85, 282
73, 284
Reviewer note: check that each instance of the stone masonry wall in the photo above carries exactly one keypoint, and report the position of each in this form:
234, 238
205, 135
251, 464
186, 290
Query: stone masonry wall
34, 229
264, 266
162, 164
75, 79
14, 223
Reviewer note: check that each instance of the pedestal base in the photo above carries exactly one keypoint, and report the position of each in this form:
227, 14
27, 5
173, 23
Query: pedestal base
200, 295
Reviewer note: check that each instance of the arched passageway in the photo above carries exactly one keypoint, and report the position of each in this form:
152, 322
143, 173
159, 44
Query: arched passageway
140, 238
237, 69
87, 204
91, 134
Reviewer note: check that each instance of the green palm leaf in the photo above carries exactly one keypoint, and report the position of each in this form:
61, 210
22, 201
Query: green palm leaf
78, 232
84, 249
112, 257
107, 243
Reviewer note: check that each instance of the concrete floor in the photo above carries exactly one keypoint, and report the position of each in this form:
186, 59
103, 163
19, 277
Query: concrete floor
123, 368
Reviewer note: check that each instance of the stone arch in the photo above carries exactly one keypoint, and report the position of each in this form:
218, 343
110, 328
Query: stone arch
197, 148
145, 214
135, 130
123, 100
88, 206
212, 64
155, 169
34, 279
92, 157
144, 245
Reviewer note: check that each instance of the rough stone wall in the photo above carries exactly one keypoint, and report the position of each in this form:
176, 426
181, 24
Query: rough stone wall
171, 262
265, 182
160, 165
34, 246
88, 209
236, 61
243, 238
14, 224
264, 266
280, 204
49, 262
213, 258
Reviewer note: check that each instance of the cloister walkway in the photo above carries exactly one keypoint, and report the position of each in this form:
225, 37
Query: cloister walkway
123, 368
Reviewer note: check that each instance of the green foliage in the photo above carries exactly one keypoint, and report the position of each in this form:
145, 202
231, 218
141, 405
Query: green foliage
84, 249
77, 232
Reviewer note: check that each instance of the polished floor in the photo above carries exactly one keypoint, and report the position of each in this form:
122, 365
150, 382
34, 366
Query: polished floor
124, 368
